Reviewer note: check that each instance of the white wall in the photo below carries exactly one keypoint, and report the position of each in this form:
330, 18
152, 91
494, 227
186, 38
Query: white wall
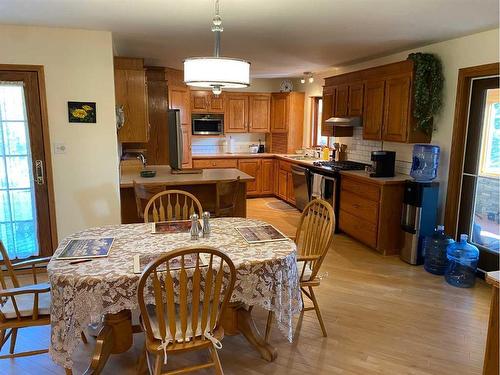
78, 67
471, 50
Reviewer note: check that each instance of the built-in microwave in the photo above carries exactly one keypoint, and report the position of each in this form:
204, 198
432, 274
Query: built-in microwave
207, 124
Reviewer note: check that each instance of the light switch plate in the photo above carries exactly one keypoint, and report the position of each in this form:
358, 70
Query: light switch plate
59, 148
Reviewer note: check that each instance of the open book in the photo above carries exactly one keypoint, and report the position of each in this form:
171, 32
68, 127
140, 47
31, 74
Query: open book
260, 233
83, 248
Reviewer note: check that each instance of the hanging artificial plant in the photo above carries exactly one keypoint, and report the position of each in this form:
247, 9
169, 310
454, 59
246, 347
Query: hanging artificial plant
428, 89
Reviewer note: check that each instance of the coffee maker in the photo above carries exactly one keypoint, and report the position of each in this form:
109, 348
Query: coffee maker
418, 219
383, 163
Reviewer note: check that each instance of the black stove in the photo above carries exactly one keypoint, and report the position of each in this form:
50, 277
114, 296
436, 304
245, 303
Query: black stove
345, 165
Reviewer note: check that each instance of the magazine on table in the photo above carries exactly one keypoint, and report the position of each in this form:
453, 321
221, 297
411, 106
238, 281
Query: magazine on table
141, 261
83, 248
260, 233
174, 226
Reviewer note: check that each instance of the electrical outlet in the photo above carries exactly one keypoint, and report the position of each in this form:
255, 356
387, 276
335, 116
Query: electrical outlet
59, 148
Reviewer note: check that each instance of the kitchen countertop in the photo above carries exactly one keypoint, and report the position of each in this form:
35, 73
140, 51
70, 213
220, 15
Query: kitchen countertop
163, 176
397, 179
247, 155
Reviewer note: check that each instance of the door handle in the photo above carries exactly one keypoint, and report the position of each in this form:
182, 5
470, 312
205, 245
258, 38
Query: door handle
39, 178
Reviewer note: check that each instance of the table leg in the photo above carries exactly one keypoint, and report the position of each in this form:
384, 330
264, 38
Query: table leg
114, 337
491, 362
237, 319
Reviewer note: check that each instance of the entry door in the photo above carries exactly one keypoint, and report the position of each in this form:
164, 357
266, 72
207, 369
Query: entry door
25, 226
479, 208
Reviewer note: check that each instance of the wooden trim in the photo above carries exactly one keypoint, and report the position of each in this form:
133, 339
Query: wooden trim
314, 120
39, 70
465, 76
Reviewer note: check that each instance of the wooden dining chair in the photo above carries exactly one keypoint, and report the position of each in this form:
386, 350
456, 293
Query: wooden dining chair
314, 237
143, 193
21, 306
226, 197
172, 205
182, 296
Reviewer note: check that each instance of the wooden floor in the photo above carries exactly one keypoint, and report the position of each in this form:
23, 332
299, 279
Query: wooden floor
382, 315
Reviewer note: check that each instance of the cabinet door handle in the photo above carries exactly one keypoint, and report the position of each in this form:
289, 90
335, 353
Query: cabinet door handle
39, 178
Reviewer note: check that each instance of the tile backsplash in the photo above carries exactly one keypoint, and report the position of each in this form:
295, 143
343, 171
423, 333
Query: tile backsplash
360, 150
235, 143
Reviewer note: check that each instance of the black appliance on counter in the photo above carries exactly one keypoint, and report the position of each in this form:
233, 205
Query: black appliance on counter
325, 181
383, 163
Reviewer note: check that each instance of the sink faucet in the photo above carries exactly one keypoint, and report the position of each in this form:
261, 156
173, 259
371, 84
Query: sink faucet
143, 160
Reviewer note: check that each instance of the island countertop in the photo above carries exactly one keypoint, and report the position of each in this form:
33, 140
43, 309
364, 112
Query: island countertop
163, 176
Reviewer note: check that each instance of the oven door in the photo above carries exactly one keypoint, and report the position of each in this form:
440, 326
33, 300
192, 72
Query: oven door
208, 125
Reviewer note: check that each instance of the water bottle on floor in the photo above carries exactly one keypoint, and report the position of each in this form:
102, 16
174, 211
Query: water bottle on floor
462, 266
435, 256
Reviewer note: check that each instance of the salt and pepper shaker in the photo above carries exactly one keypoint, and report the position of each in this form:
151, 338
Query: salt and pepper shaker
206, 224
195, 229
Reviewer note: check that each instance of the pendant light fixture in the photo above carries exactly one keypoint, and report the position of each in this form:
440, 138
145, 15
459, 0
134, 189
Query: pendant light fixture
216, 72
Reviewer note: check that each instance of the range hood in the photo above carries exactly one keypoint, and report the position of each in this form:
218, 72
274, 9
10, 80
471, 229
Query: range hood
344, 121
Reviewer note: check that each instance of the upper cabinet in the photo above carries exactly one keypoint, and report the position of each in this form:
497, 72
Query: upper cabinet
382, 96
259, 113
280, 106
287, 121
236, 114
206, 102
131, 96
355, 99
247, 112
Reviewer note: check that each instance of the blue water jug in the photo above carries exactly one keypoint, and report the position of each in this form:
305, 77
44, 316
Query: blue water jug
425, 162
435, 257
462, 263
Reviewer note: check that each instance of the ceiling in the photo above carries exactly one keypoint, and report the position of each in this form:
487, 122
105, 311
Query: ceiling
279, 37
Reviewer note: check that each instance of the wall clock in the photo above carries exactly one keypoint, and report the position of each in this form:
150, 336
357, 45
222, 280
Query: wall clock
286, 86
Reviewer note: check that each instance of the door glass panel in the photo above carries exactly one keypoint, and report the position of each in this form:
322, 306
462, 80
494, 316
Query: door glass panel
18, 226
486, 220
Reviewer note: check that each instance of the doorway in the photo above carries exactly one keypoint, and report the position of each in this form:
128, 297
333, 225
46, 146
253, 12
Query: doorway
27, 220
474, 183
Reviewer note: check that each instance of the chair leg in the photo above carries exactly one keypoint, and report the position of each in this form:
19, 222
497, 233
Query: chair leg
2, 338
84, 338
68, 371
318, 313
13, 339
268, 326
141, 362
158, 363
215, 359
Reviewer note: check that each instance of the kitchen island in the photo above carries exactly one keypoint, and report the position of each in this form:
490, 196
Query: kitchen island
202, 185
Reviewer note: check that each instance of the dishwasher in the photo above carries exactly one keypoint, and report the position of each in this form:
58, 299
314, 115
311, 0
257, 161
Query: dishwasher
301, 185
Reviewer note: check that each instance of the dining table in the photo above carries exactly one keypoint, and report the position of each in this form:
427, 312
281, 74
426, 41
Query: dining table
103, 291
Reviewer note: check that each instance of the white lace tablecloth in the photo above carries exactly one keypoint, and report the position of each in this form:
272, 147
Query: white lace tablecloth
83, 293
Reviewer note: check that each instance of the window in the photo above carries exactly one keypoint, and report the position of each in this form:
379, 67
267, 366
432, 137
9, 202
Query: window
316, 120
490, 144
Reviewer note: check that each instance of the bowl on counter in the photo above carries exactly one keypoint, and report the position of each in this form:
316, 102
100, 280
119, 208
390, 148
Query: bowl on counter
253, 149
147, 173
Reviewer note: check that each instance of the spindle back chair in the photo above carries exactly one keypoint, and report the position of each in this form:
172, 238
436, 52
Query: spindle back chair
182, 296
172, 205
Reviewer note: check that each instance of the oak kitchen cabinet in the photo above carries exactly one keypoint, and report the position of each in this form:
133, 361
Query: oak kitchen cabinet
203, 101
179, 98
247, 113
370, 211
287, 121
329, 104
260, 168
285, 182
383, 96
131, 95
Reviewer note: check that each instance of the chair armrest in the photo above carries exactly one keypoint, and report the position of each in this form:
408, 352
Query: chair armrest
31, 262
307, 258
28, 289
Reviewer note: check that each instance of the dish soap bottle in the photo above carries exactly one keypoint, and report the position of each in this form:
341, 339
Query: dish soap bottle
435, 257
462, 266
325, 153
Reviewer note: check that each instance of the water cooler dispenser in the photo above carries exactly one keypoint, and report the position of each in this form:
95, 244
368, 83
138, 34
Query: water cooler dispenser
418, 218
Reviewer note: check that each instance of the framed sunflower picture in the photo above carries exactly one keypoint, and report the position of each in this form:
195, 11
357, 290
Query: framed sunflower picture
82, 112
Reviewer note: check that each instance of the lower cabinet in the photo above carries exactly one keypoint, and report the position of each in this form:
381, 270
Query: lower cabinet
253, 167
267, 186
371, 212
285, 182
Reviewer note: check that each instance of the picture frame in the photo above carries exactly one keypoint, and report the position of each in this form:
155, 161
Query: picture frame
82, 112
